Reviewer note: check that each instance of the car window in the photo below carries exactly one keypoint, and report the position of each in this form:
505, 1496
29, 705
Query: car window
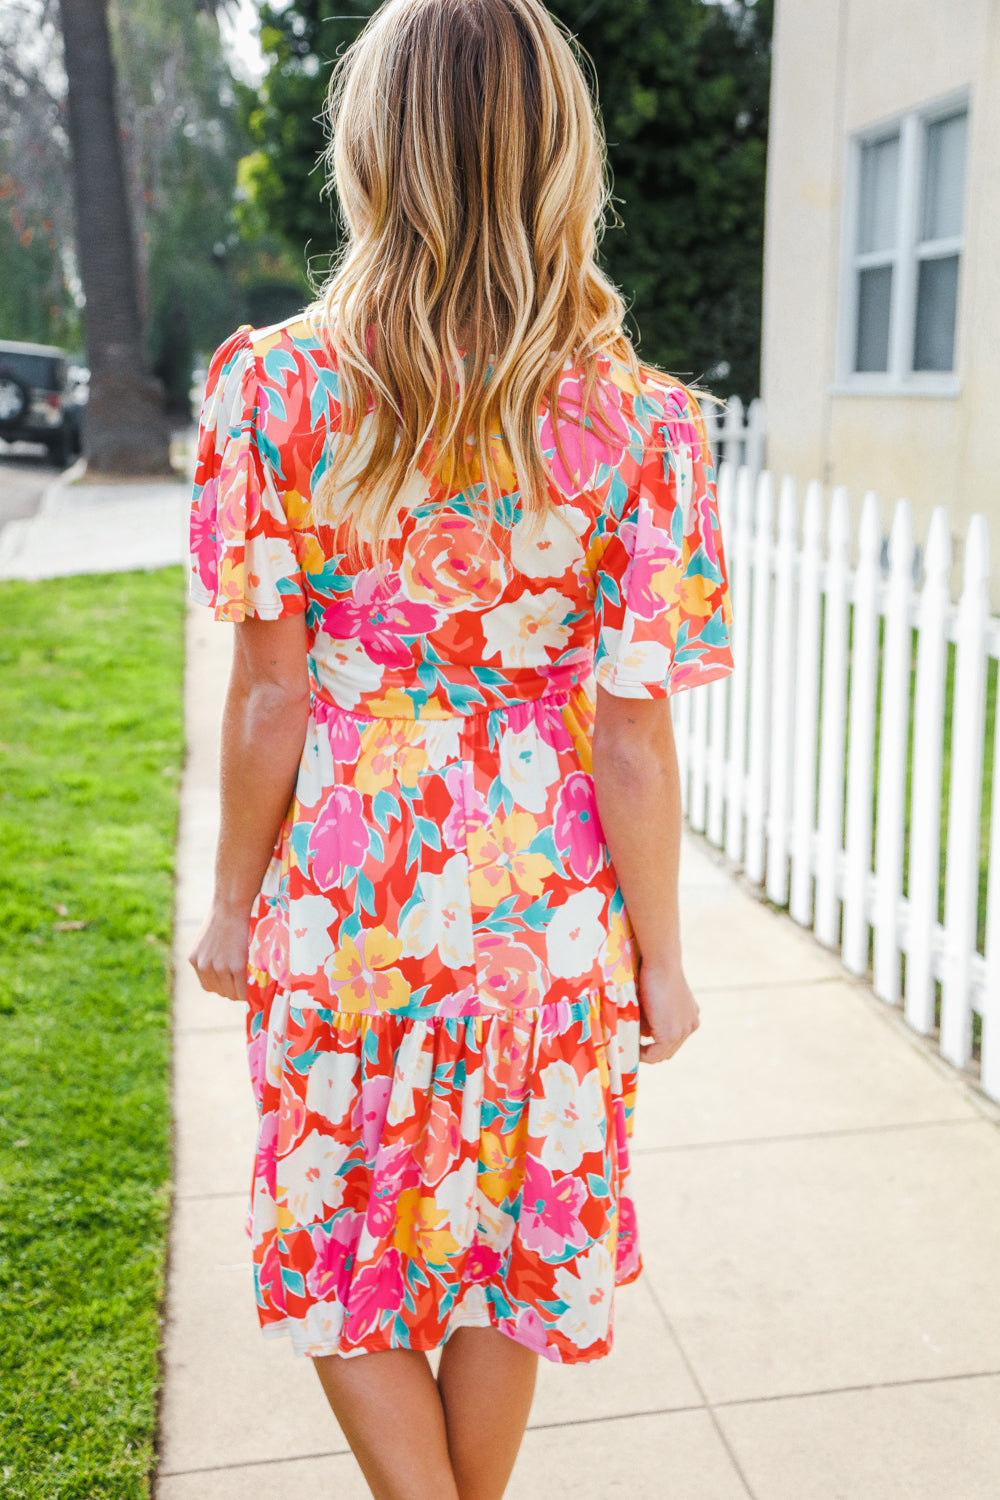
40, 371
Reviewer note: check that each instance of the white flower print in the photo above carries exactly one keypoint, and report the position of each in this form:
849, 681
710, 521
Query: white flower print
309, 1181
329, 1091
443, 920
574, 935
457, 1194
414, 1066
554, 549
525, 631
529, 766
569, 1117
349, 674
309, 944
269, 558
321, 1326
639, 662
589, 1290
496, 1226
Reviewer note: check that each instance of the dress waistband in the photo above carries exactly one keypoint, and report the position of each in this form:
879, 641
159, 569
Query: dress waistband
325, 709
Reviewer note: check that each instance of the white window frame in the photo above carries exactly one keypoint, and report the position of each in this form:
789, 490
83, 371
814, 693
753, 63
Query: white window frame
900, 379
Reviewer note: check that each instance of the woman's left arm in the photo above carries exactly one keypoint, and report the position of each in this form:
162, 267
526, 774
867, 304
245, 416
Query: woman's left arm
263, 731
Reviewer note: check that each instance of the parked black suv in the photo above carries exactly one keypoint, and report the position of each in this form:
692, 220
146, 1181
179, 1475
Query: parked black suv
35, 405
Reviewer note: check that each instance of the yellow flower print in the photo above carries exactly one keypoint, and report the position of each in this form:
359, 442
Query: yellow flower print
387, 756
499, 863
418, 1234
695, 598
359, 976
617, 958
298, 509
501, 1164
230, 585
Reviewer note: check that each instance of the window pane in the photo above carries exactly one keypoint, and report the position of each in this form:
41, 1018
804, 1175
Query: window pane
937, 292
944, 178
878, 193
874, 300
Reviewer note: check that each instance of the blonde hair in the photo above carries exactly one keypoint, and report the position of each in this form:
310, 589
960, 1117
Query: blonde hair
471, 172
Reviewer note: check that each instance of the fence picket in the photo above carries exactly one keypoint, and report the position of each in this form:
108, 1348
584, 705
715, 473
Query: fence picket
832, 724
807, 676
760, 673
740, 585
860, 746
751, 746
783, 655
989, 1061
962, 870
894, 723
928, 737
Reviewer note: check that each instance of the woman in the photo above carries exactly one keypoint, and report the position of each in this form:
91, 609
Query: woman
436, 506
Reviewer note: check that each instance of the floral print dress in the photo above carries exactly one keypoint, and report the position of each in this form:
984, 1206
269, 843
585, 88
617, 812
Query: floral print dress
443, 1024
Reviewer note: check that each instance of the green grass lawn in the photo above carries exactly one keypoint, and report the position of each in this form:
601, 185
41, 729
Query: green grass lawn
90, 756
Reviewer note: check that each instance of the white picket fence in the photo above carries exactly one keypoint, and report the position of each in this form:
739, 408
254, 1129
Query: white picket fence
796, 763
736, 434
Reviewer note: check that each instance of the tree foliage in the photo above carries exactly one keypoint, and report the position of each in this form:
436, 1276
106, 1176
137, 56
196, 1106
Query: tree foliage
683, 88
202, 266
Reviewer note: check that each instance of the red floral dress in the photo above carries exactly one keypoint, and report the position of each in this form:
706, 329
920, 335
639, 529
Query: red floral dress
443, 1023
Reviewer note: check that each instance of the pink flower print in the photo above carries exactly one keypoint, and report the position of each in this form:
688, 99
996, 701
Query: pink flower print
577, 825
395, 1170
269, 948
627, 1261
370, 1111
527, 1329
549, 1218
705, 528
203, 544
269, 1283
459, 1002
602, 440
339, 837
342, 732
680, 428
468, 809
482, 1264
329, 1277
257, 1062
291, 1117
555, 1019
375, 1290
545, 718
379, 615
266, 1164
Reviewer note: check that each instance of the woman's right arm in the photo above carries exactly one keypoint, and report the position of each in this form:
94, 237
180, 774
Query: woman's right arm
637, 786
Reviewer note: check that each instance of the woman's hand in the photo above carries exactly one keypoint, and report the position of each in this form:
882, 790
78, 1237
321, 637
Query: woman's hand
668, 1012
219, 956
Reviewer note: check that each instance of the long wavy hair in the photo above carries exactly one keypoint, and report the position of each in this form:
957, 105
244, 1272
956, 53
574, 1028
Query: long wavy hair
470, 168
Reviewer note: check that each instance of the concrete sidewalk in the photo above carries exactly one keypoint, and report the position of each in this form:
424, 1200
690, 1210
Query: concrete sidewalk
98, 528
819, 1211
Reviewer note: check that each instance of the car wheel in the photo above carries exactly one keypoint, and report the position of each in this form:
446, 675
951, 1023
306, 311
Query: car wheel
13, 399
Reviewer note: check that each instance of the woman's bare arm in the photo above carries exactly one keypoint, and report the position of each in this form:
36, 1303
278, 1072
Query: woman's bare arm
263, 731
637, 786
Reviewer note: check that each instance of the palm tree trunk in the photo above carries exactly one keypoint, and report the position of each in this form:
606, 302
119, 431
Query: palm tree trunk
125, 429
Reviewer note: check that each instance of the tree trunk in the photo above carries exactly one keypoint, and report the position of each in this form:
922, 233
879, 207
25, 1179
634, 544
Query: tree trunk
125, 430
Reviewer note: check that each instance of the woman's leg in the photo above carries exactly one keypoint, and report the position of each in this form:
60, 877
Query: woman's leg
486, 1382
390, 1410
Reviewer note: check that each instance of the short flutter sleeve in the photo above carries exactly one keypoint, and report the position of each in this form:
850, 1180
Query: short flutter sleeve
664, 617
243, 558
